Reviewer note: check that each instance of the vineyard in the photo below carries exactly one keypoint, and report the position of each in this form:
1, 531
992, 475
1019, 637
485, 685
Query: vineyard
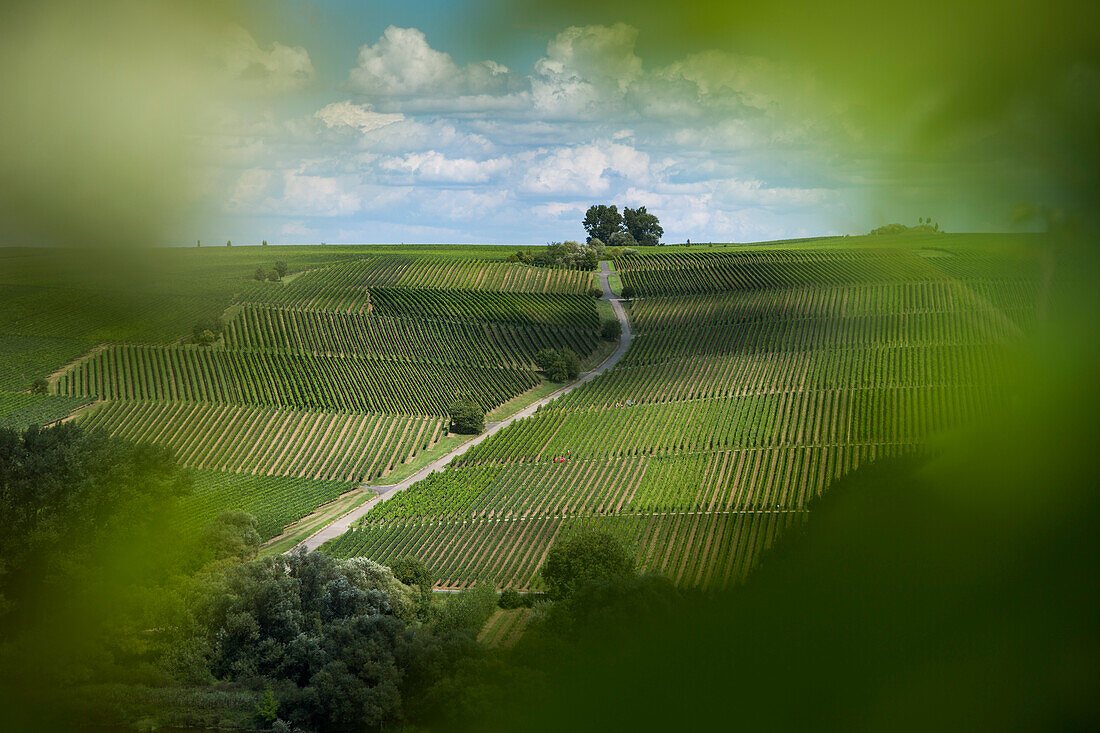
478, 343
333, 446
753, 381
337, 375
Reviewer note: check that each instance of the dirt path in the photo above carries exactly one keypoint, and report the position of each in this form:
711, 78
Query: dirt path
343, 524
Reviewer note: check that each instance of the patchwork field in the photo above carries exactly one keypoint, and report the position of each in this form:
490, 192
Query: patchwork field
755, 378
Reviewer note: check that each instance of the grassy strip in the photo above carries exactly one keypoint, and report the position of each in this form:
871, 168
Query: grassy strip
324, 514
517, 403
423, 458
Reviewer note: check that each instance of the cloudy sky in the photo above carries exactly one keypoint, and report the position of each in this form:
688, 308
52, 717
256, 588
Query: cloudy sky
501, 121
394, 126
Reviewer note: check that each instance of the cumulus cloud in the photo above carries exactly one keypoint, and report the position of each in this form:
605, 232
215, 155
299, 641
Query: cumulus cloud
586, 71
402, 64
584, 169
291, 193
274, 69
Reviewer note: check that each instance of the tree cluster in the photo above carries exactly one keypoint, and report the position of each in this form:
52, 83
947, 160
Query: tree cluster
568, 255
467, 416
632, 227
560, 365
207, 330
337, 645
611, 330
926, 226
276, 273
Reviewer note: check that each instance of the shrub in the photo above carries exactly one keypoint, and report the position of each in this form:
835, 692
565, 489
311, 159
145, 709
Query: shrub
280, 267
274, 276
467, 417
510, 598
628, 291
589, 556
259, 274
560, 366
611, 330
596, 292
40, 386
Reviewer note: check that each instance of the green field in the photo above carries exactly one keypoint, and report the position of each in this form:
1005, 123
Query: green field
337, 375
757, 376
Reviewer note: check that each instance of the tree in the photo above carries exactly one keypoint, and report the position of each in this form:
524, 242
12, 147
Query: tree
264, 243
413, 572
643, 226
274, 276
589, 556
628, 291
622, 239
560, 366
510, 598
40, 386
259, 274
611, 330
602, 221
206, 338
467, 417
213, 325
280, 267
595, 292
228, 243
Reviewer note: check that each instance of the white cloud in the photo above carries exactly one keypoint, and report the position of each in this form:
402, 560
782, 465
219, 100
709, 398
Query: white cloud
581, 169
290, 193
275, 69
402, 64
360, 116
434, 166
586, 71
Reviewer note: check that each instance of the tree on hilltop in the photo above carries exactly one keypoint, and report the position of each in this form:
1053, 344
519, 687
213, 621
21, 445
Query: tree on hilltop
602, 221
644, 227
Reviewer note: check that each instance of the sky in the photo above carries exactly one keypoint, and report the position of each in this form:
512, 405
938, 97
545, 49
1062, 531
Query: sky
390, 123
501, 121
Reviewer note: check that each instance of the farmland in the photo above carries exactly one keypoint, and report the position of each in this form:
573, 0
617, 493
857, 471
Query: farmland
755, 378
338, 374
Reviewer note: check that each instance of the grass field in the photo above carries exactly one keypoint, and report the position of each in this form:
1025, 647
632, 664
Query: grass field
757, 376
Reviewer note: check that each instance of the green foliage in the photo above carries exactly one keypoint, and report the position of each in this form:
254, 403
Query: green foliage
233, 534
40, 386
19, 410
273, 276
510, 598
414, 573
467, 417
611, 330
628, 292
643, 227
267, 709
467, 611
560, 365
585, 557
596, 292
260, 274
924, 227
601, 222
207, 330
280, 267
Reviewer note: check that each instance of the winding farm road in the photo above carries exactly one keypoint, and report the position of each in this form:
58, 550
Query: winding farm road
343, 523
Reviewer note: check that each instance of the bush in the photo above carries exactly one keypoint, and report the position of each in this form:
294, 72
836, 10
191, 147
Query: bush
467, 417
510, 599
259, 274
596, 292
40, 386
628, 291
274, 276
560, 366
611, 330
213, 325
589, 556
280, 267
